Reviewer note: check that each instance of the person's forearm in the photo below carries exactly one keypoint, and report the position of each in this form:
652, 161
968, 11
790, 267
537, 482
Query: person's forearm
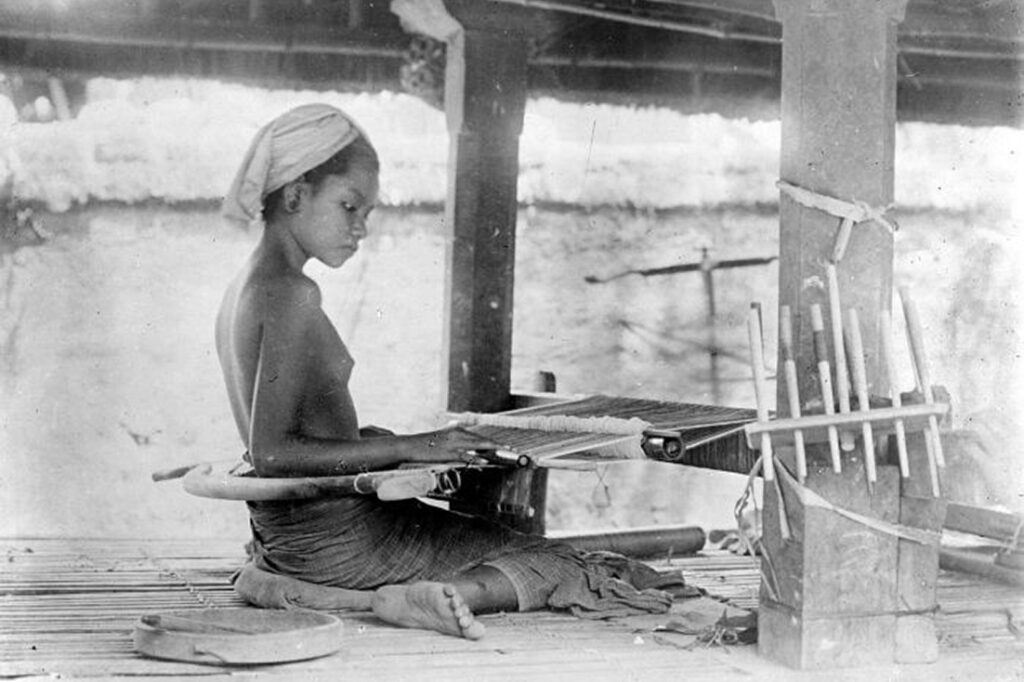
305, 456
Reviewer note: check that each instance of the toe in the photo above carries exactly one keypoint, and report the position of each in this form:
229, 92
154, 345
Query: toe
474, 630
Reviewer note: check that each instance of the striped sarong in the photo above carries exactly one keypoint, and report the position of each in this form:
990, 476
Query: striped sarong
362, 543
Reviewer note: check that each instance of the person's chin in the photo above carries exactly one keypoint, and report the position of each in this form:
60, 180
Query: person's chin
336, 260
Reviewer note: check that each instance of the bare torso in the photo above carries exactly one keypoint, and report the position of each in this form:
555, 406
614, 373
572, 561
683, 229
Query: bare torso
256, 302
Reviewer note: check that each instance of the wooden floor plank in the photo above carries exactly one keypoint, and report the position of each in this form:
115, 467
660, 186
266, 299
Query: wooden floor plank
67, 608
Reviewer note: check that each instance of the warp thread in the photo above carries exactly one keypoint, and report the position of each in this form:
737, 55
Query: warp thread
564, 423
627, 447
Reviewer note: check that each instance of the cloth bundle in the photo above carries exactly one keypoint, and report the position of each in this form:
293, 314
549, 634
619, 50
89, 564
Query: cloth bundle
283, 150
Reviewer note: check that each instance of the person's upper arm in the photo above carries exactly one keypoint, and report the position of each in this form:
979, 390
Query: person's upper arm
287, 319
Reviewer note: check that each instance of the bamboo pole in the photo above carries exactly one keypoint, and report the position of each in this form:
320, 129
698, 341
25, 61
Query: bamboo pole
860, 382
760, 389
839, 348
889, 365
792, 387
825, 375
842, 239
913, 415
916, 338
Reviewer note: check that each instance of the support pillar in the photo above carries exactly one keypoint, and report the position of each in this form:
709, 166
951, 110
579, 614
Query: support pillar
484, 102
831, 595
485, 98
916, 640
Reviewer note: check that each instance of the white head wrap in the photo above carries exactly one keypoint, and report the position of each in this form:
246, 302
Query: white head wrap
292, 144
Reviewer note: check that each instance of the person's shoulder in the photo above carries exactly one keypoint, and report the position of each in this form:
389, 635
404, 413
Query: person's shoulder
298, 289
292, 294
280, 295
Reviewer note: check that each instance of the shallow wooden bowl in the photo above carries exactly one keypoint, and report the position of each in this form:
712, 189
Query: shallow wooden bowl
238, 636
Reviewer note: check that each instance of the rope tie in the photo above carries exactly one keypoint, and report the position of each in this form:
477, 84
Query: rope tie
849, 212
809, 498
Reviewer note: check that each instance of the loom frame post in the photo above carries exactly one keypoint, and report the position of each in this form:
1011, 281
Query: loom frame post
839, 586
484, 102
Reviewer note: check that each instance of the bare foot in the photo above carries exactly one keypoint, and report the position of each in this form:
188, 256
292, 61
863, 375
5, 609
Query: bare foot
428, 605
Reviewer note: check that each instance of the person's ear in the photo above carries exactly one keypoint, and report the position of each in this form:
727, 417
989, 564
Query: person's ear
293, 196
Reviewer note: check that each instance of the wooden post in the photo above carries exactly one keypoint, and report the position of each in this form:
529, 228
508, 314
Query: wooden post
831, 596
356, 12
485, 97
484, 101
918, 565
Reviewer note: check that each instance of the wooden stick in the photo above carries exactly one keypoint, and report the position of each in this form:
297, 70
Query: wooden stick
889, 363
760, 390
842, 239
505, 458
839, 348
916, 338
988, 523
756, 305
792, 388
825, 374
860, 382
914, 415
171, 474
205, 481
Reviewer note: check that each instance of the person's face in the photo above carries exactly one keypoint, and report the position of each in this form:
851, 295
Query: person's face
333, 215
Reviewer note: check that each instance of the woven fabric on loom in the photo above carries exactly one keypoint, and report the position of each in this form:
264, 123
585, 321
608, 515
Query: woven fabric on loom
660, 414
547, 444
712, 434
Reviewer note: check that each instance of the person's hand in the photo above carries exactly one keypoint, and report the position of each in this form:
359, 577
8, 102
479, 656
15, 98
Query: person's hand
453, 444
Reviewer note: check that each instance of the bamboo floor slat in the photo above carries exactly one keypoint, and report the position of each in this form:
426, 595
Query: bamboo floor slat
67, 608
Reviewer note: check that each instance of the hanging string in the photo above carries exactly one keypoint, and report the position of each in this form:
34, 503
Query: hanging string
601, 495
756, 547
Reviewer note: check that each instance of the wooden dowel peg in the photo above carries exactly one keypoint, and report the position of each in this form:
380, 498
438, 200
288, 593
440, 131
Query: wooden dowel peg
760, 390
792, 387
842, 239
756, 305
933, 469
860, 383
171, 474
916, 339
839, 348
815, 426
825, 375
889, 364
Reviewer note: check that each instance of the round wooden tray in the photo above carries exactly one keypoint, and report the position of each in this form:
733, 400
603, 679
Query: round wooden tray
238, 636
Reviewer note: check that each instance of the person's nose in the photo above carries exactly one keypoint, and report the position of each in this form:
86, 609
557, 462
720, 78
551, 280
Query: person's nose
359, 227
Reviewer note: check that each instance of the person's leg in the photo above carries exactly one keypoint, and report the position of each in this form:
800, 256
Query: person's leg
447, 607
272, 591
